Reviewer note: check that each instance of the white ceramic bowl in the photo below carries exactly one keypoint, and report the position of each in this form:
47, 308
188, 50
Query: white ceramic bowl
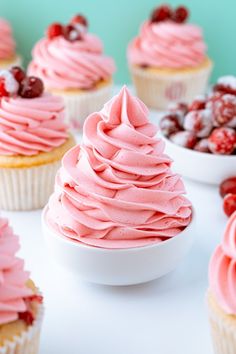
199, 166
119, 266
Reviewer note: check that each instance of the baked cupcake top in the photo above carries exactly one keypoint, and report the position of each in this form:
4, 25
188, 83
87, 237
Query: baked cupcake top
31, 121
116, 190
222, 269
166, 41
15, 296
71, 58
7, 42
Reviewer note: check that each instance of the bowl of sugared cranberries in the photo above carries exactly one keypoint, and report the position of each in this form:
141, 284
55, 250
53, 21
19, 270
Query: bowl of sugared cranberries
201, 136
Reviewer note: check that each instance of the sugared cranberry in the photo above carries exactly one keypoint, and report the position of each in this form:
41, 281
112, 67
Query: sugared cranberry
222, 141
184, 138
180, 15
170, 124
199, 122
223, 110
202, 146
197, 104
79, 20
161, 13
27, 317
228, 186
229, 204
72, 34
31, 87
55, 30
18, 73
226, 84
3, 91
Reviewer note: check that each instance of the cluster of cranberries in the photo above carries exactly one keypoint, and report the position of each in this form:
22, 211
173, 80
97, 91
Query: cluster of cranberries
14, 82
208, 124
28, 316
228, 192
166, 13
71, 32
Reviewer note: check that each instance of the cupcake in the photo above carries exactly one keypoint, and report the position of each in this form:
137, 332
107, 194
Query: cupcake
21, 309
33, 139
71, 63
168, 60
116, 190
222, 292
8, 55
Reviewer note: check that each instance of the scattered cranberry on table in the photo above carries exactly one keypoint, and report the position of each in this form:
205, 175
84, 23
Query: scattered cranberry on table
227, 191
211, 118
166, 13
228, 186
229, 204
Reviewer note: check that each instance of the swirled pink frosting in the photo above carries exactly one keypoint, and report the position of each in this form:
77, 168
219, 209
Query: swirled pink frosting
13, 278
222, 269
167, 44
116, 190
30, 126
7, 43
62, 64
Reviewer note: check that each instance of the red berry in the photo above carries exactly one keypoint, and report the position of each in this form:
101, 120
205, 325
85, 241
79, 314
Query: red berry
3, 91
202, 146
228, 186
178, 107
223, 109
229, 204
170, 124
222, 141
79, 19
31, 87
55, 30
199, 122
226, 84
18, 73
180, 15
161, 13
197, 104
72, 34
27, 317
184, 138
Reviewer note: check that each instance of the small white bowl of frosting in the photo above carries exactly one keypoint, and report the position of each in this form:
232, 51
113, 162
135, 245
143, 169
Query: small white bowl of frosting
118, 215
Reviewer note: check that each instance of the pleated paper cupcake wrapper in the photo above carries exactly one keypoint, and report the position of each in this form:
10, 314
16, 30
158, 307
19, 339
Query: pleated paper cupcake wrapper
27, 188
79, 106
223, 333
7, 66
158, 91
28, 341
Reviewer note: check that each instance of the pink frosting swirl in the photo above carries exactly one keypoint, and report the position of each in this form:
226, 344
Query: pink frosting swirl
30, 126
12, 276
62, 64
222, 269
7, 43
116, 190
167, 44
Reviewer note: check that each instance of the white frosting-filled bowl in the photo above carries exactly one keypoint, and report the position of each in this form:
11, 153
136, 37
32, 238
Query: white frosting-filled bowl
118, 266
199, 166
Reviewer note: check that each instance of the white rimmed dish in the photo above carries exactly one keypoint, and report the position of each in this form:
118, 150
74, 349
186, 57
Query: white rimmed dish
118, 266
199, 166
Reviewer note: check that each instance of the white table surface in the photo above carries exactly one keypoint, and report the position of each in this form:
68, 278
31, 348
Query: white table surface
166, 316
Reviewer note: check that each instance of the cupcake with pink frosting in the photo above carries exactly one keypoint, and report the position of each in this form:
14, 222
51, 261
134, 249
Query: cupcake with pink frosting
33, 139
116, 190
21, 308
222, 292
71, 63
8, 55
168, 60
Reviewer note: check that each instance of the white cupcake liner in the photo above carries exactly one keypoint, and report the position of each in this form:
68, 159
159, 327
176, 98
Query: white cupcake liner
157, 90
80, 105
223, 331
16, 62
28, 341
27, 188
